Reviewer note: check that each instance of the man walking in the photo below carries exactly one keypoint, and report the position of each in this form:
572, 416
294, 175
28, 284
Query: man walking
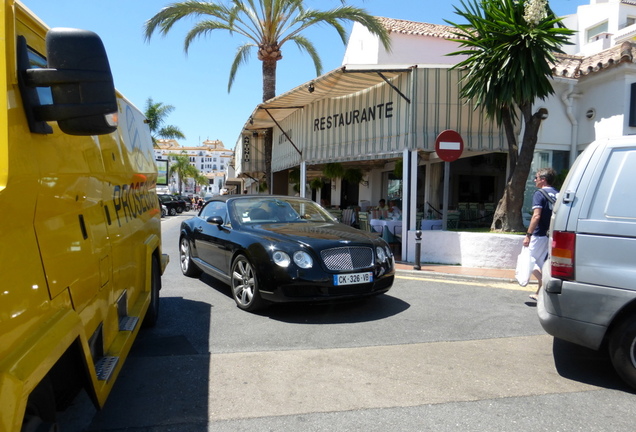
537, 235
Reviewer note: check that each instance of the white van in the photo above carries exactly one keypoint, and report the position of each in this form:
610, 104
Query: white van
590, 279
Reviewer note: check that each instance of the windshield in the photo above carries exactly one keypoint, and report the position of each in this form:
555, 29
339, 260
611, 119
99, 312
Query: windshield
277, 210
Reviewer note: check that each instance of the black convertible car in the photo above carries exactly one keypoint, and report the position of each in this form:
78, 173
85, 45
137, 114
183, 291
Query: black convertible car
278, 248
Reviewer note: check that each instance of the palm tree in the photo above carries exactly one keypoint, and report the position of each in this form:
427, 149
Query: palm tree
156, 114
266, 26
510, 46
182, 168
201, 180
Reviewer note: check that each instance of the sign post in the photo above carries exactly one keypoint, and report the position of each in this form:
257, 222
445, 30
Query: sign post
449, 146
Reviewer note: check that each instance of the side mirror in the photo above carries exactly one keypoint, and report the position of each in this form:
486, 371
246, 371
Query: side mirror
82, 88
216, 220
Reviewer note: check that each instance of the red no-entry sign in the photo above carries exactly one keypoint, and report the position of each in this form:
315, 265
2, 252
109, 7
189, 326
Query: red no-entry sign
449, 145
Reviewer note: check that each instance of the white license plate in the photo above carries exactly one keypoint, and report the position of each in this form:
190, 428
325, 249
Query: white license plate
353, 278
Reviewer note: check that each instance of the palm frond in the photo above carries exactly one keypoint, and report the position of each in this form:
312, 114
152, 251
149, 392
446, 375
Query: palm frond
170, 132
305, 45
167, 17
242, 56
507, 60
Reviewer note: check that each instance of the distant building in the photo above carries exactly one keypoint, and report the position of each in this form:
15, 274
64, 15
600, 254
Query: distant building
211, 159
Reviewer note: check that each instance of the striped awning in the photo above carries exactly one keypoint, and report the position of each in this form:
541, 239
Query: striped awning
340, 82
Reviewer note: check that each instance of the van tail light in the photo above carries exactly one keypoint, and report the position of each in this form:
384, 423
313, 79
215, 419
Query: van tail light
562, 255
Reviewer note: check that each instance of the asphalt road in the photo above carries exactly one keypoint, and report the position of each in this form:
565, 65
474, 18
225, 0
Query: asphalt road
433, 354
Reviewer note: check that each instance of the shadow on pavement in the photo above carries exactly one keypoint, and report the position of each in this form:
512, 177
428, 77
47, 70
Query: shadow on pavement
586, 366
355, 310
165, 378
338, 312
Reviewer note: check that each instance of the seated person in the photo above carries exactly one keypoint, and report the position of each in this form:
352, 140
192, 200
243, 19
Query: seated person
394, 210
259, 213
382, 205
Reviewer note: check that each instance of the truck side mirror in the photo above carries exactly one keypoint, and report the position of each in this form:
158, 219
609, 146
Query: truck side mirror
80, 79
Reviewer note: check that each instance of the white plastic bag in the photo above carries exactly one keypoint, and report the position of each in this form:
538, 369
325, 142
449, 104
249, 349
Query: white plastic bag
525, 264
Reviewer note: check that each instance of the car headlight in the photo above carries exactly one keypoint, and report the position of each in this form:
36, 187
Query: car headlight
281, 259
303, 260
379, 250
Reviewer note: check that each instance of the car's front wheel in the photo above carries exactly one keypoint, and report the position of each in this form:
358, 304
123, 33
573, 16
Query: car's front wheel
188, 268
244, 285
173, 211
622, 350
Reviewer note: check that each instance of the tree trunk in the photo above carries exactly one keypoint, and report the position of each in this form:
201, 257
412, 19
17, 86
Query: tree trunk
508, 217
513, 148
269, 91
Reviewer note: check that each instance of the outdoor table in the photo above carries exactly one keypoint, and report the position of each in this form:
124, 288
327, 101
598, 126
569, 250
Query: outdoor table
386, 227
431, 224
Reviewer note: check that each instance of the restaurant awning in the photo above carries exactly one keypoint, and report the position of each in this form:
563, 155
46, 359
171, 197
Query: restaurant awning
344, 81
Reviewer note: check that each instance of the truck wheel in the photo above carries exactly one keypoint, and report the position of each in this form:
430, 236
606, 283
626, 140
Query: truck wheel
188, 268
155, 286
622, 350
40, 412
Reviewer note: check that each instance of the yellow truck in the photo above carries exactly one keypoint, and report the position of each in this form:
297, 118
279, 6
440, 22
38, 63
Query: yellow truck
80, 222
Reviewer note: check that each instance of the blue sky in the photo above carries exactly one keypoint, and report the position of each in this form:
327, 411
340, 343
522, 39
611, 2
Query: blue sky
196, 83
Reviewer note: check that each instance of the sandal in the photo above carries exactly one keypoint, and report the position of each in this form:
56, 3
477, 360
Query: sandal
534, 297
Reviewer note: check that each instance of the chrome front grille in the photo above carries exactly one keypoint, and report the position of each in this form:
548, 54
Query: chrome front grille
347, 258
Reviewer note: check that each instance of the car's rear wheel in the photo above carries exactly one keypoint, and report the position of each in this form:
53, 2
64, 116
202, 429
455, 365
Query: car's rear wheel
622, 350
188, 268
244, 285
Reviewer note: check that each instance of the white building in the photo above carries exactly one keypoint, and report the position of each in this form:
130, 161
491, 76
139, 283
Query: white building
382, 110
211, 159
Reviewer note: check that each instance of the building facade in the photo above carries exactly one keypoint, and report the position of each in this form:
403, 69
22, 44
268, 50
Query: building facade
380, 113
211, 159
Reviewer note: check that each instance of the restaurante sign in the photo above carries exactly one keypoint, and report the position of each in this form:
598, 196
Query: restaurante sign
372, 113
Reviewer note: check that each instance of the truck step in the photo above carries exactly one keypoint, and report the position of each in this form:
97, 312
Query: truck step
128, 323
105, 367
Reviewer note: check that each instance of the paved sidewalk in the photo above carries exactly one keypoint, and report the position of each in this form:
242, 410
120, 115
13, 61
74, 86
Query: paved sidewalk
456, 270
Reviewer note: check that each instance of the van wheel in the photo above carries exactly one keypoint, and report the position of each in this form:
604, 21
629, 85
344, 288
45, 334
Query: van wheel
40, 410
622, 350
188, 268
155, 286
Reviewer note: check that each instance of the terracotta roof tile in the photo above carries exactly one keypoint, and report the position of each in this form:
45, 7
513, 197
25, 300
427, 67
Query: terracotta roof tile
418, 28
569, 66
577, 66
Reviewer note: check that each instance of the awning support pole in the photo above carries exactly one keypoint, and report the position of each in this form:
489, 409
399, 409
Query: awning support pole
394, 88
284, 133
303, 164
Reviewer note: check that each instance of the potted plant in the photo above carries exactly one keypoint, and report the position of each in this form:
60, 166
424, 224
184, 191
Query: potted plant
333, 170
317, 183
353, 175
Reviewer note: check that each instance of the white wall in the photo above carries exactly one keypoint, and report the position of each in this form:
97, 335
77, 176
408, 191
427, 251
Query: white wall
467, 249
364, 48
